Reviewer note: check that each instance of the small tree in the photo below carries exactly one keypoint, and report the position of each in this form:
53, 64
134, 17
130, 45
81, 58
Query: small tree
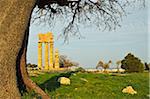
65, 62
147, 66
103, 65
132, 64
118, 65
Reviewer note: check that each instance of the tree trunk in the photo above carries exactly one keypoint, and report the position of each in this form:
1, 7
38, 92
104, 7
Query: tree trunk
14, 19
24, 80
27, 81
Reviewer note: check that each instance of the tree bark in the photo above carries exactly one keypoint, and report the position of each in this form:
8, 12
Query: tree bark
14, 19
24, 79
27, 81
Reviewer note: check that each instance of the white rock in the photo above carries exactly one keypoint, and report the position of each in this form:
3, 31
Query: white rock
83, 79
129, 90
64, 81
74, 74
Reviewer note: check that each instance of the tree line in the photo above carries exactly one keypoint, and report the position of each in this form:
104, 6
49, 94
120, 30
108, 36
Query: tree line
130, 63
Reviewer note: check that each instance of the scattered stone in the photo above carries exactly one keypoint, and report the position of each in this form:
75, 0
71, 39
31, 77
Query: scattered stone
76, 89
83, 79
129, 90
64, 81
148, 96
74, 74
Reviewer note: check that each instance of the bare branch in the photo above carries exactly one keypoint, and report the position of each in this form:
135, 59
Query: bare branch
105, 14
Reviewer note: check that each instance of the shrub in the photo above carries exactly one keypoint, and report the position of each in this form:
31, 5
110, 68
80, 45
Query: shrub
80, 69
132, 64
65, 62
147, 66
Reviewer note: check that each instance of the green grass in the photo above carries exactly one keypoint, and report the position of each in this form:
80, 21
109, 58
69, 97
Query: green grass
99, 86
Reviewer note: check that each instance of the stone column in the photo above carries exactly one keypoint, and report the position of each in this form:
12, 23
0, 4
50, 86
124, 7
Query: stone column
56, 59
51, 56
46, 56
39, 55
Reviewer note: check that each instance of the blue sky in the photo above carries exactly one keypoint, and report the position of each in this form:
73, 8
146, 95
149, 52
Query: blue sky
97, 45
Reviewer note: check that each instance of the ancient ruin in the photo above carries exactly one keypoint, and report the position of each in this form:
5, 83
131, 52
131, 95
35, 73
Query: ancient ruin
50, 62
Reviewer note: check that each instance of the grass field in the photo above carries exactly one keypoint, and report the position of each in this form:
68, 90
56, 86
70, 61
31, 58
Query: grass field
97, 86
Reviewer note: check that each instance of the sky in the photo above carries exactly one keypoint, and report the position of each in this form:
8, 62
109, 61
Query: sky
97, 45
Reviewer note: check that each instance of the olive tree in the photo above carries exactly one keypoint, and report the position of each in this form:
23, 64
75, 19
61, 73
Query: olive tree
14, 31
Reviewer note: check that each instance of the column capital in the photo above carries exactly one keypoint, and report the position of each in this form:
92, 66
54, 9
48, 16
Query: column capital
51, 43
45, 42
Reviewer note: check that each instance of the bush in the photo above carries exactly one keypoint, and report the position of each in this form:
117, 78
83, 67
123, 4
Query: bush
32, 65
147, 66
80, 69
132, 64
65, 62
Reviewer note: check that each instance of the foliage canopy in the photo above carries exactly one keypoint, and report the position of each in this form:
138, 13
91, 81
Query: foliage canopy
132, 64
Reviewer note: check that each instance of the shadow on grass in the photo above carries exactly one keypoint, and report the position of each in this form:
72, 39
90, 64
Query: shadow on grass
52, 84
